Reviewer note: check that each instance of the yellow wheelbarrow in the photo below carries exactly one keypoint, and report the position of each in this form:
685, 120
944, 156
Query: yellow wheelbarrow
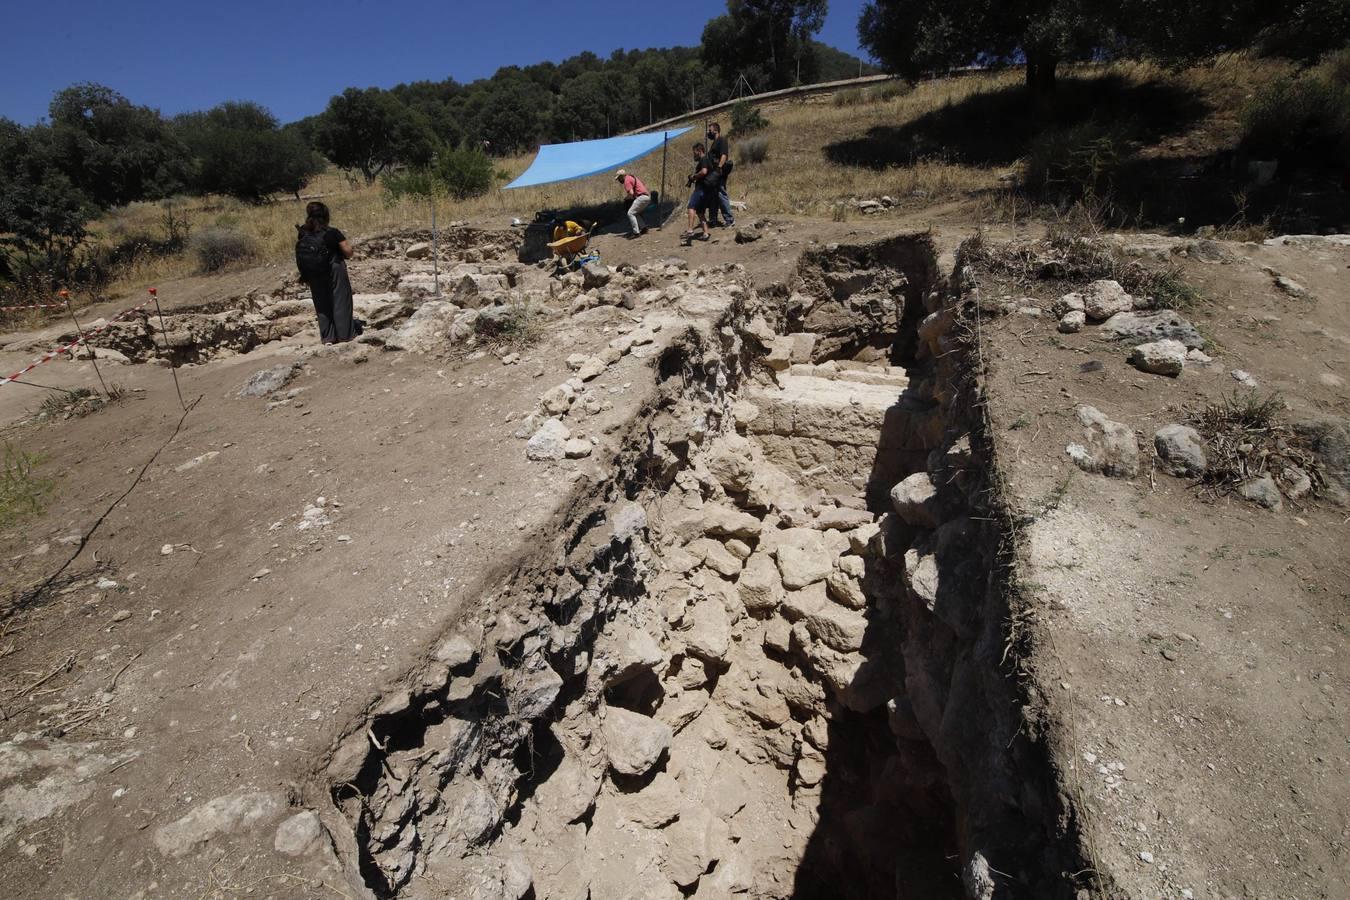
570, 240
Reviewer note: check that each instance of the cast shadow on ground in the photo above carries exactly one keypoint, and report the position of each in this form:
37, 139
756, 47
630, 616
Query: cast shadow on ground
998, 127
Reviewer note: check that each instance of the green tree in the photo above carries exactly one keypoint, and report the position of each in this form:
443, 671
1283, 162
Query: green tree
42, 212
768, 41
917, 37
371, 130
239, 149
113, 150
460, 174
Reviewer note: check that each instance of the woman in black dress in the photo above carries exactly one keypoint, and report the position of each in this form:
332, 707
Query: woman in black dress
321, 254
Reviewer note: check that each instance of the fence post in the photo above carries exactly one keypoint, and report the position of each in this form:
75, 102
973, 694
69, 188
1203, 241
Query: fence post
65, 296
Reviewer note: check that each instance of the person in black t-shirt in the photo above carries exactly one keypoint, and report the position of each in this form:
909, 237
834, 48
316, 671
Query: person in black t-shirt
702, 199
721, 154
321, 254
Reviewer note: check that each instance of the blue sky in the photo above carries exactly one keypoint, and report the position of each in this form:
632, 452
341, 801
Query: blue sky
292, 56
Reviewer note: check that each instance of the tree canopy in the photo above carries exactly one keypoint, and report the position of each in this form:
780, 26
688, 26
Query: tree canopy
239, 149
917, 37
371, 130
113, 150
767, 41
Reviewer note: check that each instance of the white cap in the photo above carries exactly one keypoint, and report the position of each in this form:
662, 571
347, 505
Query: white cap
618, 176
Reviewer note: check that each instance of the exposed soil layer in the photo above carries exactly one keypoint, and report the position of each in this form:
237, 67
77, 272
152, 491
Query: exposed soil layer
768, 656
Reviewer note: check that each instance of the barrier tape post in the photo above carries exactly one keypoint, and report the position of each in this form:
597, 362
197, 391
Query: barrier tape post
93, 357
164, 330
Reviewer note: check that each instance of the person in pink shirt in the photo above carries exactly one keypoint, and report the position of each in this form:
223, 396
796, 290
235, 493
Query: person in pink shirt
636, 191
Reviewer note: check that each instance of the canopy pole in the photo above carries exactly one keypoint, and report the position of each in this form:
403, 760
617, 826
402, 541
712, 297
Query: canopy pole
660, 216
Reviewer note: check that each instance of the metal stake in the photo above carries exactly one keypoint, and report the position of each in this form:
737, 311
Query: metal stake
164, 330
435, 263
660, 216
65, 295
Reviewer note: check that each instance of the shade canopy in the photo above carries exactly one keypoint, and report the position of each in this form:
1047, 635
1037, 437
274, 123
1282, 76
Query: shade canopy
564, 162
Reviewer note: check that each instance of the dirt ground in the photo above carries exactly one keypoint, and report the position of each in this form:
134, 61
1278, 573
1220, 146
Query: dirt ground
232, 589
252, 644
1195, 647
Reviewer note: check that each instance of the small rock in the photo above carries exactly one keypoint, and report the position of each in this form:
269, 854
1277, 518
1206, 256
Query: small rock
1111, 449
593, 368
915, 500
838, 627
1290, 286
558, 400
1297, 482
1073, 321
1103, 299
748, 234
1262, 491
455, 651
1199, 356
121, 615
1069, 303
549, 442
577, 448
1243, 378
595, 275
634, 743
265, 382
420, 250
261, 574
1181, 449
1145, 856
709, 635
803, 558
297, 835
1166, 357
166, 550
629, 521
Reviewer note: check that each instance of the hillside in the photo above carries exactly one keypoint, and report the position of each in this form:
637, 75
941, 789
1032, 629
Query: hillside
960, 140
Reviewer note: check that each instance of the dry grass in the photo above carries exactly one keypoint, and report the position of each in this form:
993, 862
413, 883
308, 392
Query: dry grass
1246, 437
22, 492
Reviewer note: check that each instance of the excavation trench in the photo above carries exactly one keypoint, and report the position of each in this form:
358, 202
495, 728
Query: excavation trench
768, 657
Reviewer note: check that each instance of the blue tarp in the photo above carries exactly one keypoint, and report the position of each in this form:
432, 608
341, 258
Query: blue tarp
563, 162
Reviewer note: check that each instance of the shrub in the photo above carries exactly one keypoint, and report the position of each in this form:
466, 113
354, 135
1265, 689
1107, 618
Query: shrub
1078, 160
1246, 437
753, 150
465, 173
512, 326
746, 118
1303, 120
219, 247
21, 492
888, 91
850, 97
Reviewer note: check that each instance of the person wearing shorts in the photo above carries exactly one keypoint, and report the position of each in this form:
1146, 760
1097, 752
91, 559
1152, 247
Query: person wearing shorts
704, 196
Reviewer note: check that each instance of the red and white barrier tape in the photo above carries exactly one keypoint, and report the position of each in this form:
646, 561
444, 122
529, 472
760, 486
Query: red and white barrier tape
53, 354
33, 306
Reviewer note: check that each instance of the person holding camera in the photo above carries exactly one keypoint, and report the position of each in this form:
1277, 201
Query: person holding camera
705, 182
721, 154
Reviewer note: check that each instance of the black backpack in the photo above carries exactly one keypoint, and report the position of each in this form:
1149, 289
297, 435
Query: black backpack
312, 256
